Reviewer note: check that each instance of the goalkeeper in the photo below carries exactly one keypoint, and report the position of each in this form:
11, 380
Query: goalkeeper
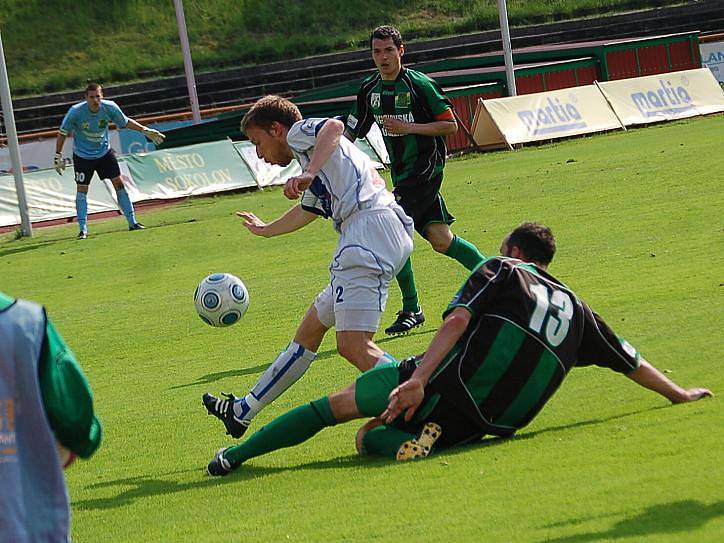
88, 122
510, 336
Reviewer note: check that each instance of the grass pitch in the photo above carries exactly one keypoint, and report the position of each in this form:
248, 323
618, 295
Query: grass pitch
638, 217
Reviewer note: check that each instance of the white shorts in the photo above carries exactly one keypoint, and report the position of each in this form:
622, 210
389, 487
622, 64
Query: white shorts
372, 248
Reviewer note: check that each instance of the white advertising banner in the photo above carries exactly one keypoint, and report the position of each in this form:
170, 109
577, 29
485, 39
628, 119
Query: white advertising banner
664, 97
712, 56
187, 171
51, 196
543, 116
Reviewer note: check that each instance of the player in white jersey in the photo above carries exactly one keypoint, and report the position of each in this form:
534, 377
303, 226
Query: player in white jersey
339, 182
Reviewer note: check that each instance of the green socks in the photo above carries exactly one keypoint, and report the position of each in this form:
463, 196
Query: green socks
287, 430
464, 252
406, 280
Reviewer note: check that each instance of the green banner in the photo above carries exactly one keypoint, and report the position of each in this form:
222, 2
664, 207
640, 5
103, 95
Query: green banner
199, 169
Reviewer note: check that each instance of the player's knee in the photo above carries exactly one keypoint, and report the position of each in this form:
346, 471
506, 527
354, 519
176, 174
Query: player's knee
439, 238
349, 349
362, 432
440, 246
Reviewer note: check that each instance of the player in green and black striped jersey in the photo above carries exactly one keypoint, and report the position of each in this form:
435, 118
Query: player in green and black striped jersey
510, 336
414, 116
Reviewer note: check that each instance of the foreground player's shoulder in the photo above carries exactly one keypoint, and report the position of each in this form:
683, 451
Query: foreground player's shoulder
303, 134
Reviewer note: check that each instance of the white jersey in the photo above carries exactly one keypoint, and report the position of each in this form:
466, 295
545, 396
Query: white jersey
347, 182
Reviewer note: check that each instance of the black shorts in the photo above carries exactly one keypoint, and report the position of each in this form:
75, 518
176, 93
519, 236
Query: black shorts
106, 166
457, 429
423, 202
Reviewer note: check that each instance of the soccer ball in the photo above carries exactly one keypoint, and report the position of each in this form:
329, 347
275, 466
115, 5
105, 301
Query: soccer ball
221, 299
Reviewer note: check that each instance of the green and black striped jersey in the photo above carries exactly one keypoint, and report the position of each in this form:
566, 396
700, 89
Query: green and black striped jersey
412, 97
528, 330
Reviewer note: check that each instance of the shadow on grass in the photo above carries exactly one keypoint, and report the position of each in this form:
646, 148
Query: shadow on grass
667, 518
143, 487
213, 377
7, 251
163, 484
322, 355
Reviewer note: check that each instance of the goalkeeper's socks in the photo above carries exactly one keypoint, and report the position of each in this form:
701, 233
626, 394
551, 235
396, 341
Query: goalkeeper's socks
406, 280
288, 367
81, 210
126, 206
289, 429
464, 252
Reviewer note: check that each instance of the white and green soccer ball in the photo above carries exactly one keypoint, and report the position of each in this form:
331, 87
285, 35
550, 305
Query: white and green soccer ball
221, 299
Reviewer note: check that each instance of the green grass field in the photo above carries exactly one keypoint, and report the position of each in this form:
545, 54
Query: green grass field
63, 44
638, 218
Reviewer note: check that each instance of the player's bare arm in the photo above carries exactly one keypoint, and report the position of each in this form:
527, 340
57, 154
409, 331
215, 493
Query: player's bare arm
409, 395
327, 142
154, 135
294, 219
649, 377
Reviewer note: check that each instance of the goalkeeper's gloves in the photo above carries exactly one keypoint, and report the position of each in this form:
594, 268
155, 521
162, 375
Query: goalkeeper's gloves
154, 135
59, 163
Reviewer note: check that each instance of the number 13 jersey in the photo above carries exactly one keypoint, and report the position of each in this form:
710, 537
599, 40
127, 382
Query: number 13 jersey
528, 330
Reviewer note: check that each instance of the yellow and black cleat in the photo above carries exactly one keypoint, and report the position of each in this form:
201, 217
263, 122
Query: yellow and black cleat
420, 446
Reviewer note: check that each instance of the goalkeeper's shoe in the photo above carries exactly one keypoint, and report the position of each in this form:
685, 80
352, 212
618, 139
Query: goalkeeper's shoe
220, 466
136, 226
406, 321
420, 446
224, 411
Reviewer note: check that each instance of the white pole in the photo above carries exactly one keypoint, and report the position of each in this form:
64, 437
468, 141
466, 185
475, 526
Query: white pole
507, 50
7, 107
188, 65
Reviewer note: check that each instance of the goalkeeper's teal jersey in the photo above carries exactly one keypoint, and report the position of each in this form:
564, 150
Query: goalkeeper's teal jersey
413, 97
90, 129
528, 330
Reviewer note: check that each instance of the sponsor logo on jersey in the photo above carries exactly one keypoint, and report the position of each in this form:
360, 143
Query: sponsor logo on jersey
404, 117
85, 125
375, 100
665, 98
402, 100
352, 122
554, 116
102, 123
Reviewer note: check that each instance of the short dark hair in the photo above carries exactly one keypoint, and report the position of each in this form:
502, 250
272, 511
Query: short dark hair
268, 109
93, 87
384, 32
535, 241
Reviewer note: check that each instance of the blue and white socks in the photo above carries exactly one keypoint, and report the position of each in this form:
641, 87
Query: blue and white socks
288, 367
